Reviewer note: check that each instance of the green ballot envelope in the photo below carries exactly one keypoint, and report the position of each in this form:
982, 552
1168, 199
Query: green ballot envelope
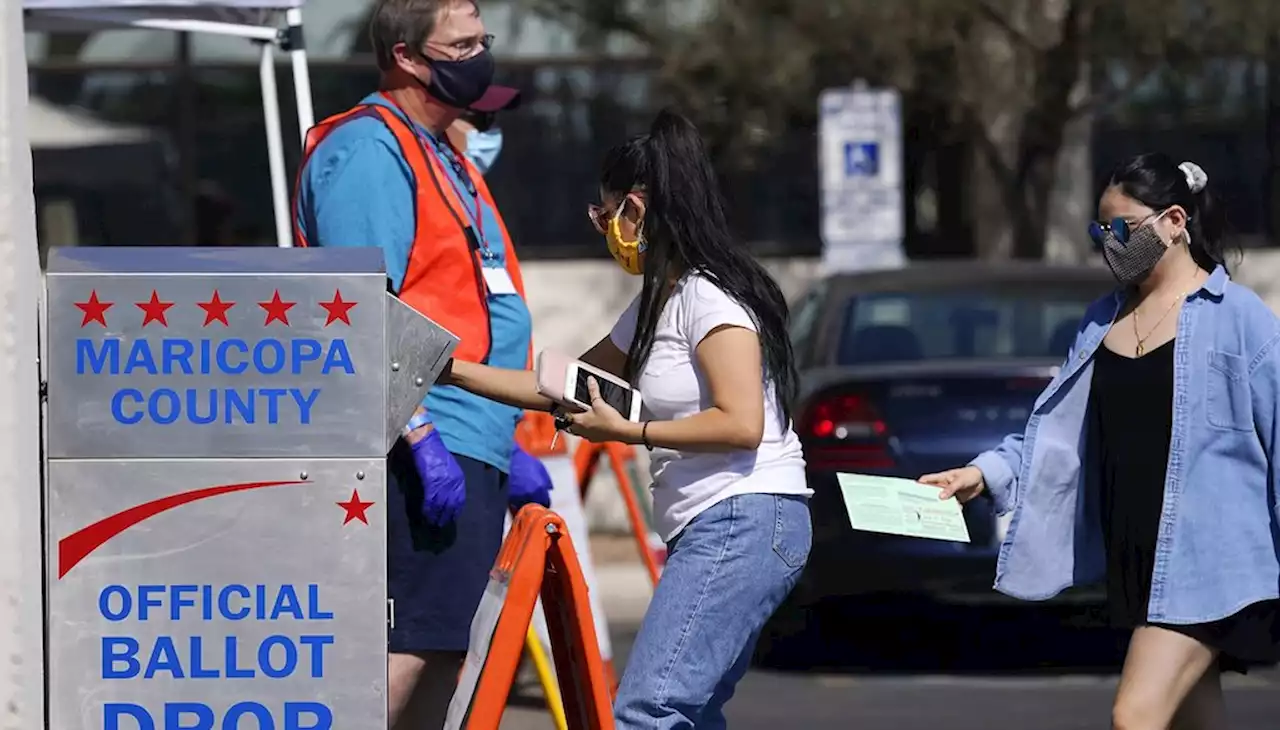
901, 507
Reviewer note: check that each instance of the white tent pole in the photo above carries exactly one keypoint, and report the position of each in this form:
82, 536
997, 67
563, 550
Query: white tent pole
182, 25
275, 146
301, 74
21, 568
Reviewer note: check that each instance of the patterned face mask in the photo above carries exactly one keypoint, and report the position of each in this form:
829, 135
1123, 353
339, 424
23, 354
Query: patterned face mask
1131, 254
628, 254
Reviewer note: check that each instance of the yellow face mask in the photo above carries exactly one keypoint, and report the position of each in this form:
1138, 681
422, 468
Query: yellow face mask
628, 254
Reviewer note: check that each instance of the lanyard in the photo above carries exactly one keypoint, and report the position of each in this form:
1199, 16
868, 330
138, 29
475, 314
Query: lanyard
460, 170
446, 151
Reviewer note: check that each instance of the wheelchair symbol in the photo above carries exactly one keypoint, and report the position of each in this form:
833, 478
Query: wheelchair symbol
861, 159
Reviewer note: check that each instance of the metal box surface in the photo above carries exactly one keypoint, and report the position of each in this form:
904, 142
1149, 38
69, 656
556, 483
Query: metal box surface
196, 589
172, 353
217, 428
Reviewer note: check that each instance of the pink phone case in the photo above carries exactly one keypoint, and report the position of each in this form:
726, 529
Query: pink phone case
552, 370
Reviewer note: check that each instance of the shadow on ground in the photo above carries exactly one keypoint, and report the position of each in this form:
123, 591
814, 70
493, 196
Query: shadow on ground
918, 636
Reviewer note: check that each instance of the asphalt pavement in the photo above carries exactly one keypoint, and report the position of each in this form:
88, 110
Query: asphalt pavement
879, 664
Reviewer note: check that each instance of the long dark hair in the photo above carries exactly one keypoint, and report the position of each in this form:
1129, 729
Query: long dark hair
1156, 181
687, 231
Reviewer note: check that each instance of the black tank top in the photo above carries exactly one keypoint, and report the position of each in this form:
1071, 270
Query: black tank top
1132, 404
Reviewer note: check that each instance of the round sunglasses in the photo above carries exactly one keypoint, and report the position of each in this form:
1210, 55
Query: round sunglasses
1120, 227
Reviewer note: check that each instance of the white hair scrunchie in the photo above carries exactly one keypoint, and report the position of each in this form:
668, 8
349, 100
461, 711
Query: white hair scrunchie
1196, 176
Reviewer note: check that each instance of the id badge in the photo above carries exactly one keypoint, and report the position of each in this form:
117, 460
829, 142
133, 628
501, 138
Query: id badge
498, 281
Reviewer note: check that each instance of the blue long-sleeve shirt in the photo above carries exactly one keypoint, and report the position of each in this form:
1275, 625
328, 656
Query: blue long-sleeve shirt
1219, 544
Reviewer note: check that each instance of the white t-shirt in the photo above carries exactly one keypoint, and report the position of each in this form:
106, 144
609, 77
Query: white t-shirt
673, 386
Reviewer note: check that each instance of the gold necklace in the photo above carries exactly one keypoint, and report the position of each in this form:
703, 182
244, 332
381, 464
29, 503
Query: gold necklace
1141, 348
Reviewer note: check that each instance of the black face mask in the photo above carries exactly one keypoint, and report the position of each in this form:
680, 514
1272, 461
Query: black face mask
460, 84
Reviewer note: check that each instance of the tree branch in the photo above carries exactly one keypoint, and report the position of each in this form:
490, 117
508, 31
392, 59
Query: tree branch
987, 147
997, 18
599, 16
1097, 99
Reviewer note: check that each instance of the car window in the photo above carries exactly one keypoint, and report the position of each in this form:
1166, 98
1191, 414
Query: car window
905, 326
804, 322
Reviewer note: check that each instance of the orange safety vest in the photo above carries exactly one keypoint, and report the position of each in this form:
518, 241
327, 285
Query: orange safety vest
443, 278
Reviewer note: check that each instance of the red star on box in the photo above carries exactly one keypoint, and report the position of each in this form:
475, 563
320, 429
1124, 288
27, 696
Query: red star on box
215, 310
355, 508
94, 309
338, 309
154, 310
277, 310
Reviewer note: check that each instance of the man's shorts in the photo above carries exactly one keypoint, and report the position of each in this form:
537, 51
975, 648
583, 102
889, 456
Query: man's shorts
436, 576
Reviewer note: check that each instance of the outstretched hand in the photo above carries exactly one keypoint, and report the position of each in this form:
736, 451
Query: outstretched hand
964, 483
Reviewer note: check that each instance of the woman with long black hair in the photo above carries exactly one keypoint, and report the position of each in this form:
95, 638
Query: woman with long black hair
706, 345
1150, 462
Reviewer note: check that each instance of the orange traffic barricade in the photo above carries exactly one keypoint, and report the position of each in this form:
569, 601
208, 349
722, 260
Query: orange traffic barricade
536, 434
587, 461
537, 558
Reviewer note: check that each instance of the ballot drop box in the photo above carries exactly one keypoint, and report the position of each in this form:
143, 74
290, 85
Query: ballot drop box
217, 423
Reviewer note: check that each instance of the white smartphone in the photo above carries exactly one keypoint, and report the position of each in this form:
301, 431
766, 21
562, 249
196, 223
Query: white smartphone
615, 391
565, 382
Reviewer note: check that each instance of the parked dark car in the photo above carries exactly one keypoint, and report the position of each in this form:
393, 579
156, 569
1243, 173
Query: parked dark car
917, 370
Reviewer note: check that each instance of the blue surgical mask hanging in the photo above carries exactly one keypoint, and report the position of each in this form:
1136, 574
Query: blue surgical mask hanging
483, 148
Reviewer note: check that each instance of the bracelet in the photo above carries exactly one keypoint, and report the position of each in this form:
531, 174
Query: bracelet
418, 421
644, 436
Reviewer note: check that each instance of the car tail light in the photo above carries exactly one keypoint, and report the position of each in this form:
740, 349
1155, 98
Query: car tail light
1028, 384
845, 431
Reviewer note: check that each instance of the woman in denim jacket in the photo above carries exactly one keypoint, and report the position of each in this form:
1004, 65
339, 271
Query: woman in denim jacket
1150, 460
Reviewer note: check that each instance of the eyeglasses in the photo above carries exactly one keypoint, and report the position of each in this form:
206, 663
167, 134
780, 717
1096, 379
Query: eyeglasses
465, 48
599, 216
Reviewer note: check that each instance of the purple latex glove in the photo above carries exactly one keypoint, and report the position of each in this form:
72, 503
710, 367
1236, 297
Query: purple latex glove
444, 488
529, 483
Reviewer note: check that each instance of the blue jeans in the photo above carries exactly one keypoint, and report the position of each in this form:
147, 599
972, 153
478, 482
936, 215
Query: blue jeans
726, 573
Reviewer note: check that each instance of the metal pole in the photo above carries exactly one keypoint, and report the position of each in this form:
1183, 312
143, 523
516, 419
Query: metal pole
184, 90
22, 704
275, 146
301, 74
182, 25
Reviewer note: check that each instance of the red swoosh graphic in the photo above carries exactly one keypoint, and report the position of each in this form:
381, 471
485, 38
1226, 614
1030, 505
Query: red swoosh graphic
78, 545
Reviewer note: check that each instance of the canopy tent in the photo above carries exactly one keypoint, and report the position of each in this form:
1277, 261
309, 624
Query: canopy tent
271, 23
55, 127
97, 182
75, 148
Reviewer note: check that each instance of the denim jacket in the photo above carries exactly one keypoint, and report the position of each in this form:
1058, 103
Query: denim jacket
1218, 548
